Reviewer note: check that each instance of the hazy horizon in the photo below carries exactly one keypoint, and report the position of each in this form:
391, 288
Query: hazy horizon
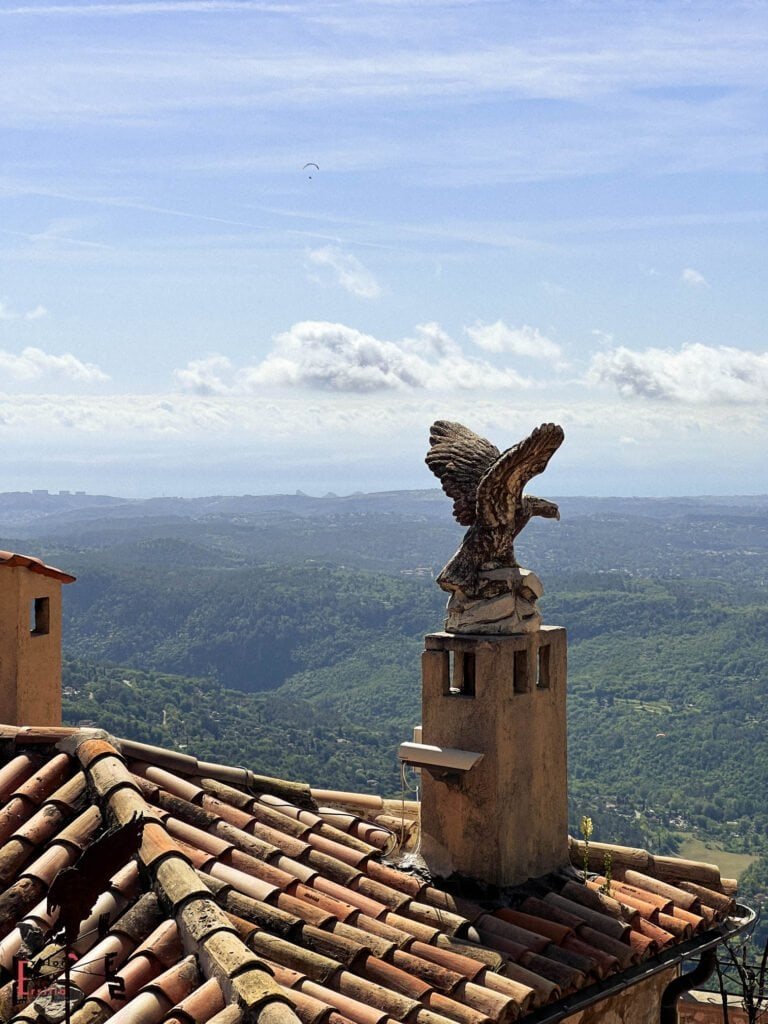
360, 492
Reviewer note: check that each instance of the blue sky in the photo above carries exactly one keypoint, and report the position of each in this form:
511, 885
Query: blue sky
522, 212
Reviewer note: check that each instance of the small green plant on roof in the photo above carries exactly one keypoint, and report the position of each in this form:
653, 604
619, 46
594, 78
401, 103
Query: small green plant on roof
586, 831
607, 868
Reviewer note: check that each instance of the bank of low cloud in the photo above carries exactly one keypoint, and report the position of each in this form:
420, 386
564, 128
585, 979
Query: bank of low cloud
692, 375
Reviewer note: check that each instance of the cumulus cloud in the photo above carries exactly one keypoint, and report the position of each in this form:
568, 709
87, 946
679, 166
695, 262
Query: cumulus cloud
349, 272
33, 364
325, 356
691, 374
693, 278
7, 313
432, 341
519, 341
204, 376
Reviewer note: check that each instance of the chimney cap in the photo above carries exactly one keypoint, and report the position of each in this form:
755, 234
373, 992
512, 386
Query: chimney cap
9, 558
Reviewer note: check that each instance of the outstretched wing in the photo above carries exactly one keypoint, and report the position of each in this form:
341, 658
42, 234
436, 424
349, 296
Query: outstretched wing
500, 490
459, 458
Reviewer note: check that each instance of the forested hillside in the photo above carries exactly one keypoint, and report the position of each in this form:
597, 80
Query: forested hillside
284, 633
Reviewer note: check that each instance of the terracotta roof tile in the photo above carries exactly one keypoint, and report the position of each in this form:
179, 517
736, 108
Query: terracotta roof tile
373, 932
410, 885
419, 930
45, 868
351, 1008
16, 812
342, 892
8, 558
201, 1004
178, 981
134, 975
168, 781
544, 989
229, 1015
258, 876
721, 903
682, 930
309, 912
15, 773
230, 813
591, 896
346, 854
245, 883
608, 964
45, 780
163, 944
308, 1009
197, 837
295, 869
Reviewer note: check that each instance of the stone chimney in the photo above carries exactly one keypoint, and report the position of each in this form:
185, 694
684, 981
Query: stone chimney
30, 640
503, 696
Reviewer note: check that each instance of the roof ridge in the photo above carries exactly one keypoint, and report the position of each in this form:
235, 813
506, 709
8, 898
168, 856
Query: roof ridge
204, 928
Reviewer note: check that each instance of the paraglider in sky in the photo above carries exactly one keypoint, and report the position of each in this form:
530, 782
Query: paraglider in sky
310, 165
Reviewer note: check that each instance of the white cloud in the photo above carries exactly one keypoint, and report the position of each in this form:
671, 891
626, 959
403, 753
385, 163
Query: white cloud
605, 338
519, 341
349, 271
37, 313
691, 374
432, 341
7, 313
693, 278
334, 357
204, 376
323, 356
33, 364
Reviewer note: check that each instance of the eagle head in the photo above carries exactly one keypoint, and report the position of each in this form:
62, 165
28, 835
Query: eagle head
540, 507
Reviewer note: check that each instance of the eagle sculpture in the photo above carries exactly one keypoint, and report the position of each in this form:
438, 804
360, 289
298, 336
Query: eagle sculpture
487, 490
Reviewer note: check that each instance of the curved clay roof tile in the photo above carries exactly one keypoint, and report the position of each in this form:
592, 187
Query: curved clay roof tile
11, 559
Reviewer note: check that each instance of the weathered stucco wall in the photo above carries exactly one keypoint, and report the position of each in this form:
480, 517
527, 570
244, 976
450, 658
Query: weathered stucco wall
30, 658
506, 819
707, 1008
638, 1004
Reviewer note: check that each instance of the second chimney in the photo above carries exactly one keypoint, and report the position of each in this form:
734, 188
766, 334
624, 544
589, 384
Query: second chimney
30, 640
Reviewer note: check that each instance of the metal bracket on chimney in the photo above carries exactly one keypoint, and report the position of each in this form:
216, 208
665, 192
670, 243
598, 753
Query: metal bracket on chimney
443, 763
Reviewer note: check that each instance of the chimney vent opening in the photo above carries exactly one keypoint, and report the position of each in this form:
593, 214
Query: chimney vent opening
462, 673
543, 675
521, 682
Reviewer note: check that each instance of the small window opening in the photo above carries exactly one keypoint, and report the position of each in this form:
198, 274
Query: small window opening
40, 616
542, 676
462, 668
521, 681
